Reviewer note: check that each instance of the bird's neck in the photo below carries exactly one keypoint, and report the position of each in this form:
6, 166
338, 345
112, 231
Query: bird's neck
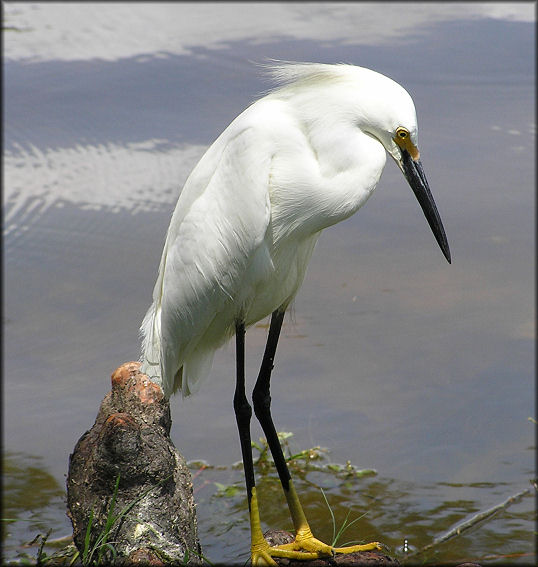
331, 187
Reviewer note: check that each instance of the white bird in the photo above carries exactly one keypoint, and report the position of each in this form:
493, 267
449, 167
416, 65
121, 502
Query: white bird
302, 158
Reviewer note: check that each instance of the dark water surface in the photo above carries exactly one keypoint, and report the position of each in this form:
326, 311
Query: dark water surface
392, 359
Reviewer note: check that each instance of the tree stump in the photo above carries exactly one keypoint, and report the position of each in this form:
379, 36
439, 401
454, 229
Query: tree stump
153, 505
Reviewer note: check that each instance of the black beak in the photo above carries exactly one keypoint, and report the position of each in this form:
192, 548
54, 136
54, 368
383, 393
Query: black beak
417, 179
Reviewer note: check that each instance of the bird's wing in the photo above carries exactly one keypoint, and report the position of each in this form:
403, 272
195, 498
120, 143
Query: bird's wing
215, 234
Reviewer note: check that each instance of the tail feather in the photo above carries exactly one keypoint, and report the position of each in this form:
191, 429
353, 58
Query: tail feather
151, 344
194, 368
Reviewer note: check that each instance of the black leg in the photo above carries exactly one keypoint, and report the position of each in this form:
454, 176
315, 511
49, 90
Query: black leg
262, 399
243, 411
305, 546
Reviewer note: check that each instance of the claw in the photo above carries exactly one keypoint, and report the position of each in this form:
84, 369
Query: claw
374, 545
262, 558
265, 557
262, 553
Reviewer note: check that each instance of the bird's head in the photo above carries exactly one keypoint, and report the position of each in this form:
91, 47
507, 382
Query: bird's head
349, 100
389, 115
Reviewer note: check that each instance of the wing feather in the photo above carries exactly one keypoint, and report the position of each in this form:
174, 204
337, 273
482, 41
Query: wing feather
216, 231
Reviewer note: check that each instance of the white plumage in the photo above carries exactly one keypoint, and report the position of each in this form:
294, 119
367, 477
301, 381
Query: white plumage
298, 160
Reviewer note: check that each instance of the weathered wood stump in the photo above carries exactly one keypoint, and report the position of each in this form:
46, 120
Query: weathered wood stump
131, 439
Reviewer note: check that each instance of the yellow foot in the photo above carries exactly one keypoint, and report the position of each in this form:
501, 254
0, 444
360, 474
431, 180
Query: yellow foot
304, 547
306, 542
262, 553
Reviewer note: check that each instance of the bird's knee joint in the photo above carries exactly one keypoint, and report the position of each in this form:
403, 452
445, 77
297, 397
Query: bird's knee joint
262, 402
243, 410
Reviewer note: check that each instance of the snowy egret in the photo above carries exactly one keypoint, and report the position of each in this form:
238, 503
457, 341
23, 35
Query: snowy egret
302, 158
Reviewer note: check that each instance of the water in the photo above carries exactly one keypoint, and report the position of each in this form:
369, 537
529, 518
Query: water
393, 359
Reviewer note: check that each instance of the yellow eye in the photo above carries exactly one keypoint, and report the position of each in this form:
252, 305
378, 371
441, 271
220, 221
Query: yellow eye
402, 138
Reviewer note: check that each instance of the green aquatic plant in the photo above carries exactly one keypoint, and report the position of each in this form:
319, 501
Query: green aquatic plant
346, 524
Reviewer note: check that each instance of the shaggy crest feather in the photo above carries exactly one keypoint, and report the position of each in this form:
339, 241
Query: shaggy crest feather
287, 72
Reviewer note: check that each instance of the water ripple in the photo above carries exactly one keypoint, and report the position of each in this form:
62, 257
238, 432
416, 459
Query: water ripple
137, 177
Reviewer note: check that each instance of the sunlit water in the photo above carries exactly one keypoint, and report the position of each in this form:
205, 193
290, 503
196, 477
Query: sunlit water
392, 359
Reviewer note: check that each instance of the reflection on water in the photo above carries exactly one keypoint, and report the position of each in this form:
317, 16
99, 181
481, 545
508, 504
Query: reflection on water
33, 502
392, 359
138, 177
27, 485
74, 32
